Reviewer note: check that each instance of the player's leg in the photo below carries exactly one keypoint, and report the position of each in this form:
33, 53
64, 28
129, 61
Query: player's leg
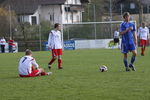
59, 59
124, 49
59, 62
43, 73
133, 58
142, 47
125, 60
115, 41
54, 57
119, 44
3, 48
39, 72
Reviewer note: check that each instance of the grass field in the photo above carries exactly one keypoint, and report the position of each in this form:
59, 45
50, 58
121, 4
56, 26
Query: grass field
79, 80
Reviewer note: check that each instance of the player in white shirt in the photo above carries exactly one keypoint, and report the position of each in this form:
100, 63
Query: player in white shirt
28, 66
2, 43
143, 34
116, 39
55, 44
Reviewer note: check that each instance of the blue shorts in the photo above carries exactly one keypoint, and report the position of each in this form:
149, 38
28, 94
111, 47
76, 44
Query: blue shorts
125, 48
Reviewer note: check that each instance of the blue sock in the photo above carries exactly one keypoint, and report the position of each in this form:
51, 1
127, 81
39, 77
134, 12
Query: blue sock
132, 59
125, 62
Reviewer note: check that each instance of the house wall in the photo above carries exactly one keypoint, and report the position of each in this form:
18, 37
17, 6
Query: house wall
51, 13
57, 13
36, 14
71, 17
77, 2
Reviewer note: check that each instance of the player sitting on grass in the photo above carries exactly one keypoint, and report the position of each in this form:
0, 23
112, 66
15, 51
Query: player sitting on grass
28, 66
129, 40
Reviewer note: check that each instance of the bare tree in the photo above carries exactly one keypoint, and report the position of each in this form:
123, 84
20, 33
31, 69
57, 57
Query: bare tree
5, 22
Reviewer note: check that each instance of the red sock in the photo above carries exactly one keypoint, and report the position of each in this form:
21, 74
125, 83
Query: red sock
43, 73
52, 60
142, 50
59, 63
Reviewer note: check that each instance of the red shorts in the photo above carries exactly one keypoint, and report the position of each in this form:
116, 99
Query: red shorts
143, 42
56, 52
34, 73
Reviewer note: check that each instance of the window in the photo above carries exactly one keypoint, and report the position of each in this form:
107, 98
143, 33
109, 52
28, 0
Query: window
34, 20
19, 19
132, 5
76, 1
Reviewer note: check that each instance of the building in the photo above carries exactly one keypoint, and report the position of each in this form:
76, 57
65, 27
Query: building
133, 6
54, 11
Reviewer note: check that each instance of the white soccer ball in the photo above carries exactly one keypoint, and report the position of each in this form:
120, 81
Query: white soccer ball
103, 68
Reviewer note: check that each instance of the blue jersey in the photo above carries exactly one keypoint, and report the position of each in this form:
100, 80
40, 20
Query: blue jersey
128, 43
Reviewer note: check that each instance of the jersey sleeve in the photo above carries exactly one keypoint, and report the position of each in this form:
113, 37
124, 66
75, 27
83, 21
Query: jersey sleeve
34, 63
148, 30
122, 27
134, 28
50, 39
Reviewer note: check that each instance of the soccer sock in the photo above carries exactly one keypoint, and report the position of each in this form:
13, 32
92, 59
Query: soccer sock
59, 63
125, 62
52, 60
142, 50
132, 59
43, 73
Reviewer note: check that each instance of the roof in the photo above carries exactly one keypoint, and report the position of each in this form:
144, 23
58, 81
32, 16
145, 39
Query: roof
30, 6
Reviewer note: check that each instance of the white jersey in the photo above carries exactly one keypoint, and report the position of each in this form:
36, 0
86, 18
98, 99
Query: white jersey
116, 34
25, 65
143, 33
54, 40
2, 41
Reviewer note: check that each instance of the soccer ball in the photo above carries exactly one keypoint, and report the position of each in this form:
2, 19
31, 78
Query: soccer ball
103, 68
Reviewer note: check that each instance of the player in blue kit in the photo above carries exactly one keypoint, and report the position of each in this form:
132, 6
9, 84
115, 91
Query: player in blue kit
129, 41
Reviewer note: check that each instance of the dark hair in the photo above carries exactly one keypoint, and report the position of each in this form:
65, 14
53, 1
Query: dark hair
126, 14
28, 52
56, 25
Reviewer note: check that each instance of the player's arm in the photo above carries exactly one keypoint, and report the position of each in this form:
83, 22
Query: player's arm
34, 63
127, 30
49, 40
148, 34
135, 37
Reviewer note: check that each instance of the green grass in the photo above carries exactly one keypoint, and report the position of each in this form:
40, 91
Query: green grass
79, 80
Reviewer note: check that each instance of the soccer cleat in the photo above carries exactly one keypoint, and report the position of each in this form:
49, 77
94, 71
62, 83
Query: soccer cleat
49, 66
142, 54
132, 67
60, 67
49, 73
127, 69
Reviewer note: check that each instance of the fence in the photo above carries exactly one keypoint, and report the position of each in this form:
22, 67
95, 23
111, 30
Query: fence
91, 30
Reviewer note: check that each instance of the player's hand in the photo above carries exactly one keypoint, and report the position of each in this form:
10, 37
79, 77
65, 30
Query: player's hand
136, 43
130, 28
49, 48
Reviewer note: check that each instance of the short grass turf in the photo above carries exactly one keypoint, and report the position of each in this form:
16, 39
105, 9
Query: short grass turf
80, 79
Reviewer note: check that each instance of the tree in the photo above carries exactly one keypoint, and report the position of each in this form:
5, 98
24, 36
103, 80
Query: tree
5, 22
